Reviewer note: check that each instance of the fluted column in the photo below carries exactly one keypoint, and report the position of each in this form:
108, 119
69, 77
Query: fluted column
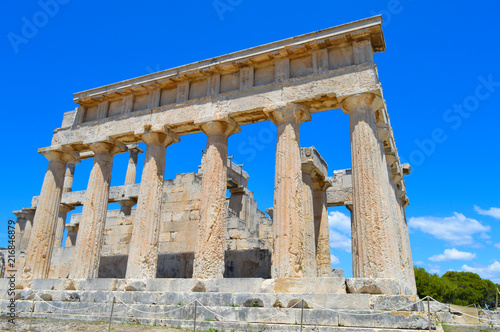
288, 220
68, 177
72, 234
310, 264
372, 229
143, 253
19, 227
88, 248
61, 222
37, 261
134, 151
211, 243
30, 214
322, 231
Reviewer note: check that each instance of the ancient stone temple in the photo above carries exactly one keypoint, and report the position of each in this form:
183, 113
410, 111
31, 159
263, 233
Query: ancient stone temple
186, 233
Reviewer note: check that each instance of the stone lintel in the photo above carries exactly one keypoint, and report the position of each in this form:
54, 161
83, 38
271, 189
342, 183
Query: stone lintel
244, 106
340, 191
313, 163
237, 174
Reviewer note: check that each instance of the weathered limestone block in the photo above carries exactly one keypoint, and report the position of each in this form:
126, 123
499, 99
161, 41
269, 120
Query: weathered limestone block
374, 286
143, 255
39, 252
373, 251
89, 242
211, 243
288, 219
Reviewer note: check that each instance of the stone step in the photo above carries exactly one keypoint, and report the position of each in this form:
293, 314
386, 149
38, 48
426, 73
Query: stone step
267, 300
178, 313
222, 326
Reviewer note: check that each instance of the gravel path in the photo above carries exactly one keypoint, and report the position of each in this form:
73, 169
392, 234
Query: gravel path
52, 325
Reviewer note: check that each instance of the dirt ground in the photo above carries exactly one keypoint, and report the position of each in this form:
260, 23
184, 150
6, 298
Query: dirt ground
52, 325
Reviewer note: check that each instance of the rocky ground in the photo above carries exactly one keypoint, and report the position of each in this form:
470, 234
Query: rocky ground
51, 325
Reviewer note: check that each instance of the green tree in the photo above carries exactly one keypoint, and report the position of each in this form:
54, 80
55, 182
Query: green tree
461, 288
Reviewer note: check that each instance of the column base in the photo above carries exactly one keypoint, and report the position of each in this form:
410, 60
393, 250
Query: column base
377, 286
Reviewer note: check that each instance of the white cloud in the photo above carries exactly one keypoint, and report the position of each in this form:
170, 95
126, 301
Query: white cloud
340, 241
453, 255
492, 212
497, 245
338, 220
340, 230
488, 272
457, 229
419, 263
335, 259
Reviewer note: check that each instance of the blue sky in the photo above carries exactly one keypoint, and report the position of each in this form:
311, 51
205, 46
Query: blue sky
440, 76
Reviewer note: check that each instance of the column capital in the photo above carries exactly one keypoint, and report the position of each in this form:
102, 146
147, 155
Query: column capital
291, 112
127, 202
223, 124
134, 148
158, 134
72, 227
369, 101
59, 153
20, 214
65, 208
29, 210
320, 184
107, 145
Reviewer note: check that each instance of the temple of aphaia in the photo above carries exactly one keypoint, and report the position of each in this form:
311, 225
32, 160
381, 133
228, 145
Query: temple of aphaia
186, 235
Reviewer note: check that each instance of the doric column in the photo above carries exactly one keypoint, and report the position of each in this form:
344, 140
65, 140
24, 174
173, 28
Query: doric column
143, 253
374, 255
72, 234
126, 206
39, 252
68, 177
288, 220
211, 243
322, 231
19, 227
89, 242
132, 163
310, 264
61, 222
30, 214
